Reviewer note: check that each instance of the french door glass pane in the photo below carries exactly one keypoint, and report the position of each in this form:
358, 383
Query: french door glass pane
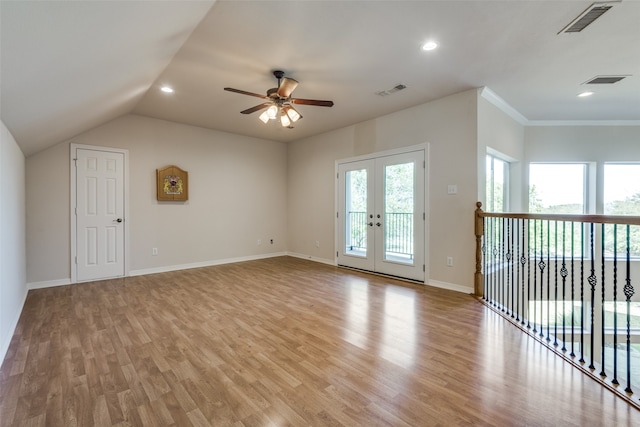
399, 207
356, 212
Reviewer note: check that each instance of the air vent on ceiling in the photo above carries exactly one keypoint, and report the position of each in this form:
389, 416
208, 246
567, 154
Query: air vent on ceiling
593, 12
599, 80
393, 90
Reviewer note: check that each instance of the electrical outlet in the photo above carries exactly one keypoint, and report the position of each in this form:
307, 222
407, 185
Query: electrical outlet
317, 243
154, 251
450, 261
259, 242
452, 189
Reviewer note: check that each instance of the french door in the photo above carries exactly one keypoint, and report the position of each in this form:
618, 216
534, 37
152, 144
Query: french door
381, 214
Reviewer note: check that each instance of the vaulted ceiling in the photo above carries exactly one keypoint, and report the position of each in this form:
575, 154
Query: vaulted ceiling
66, 67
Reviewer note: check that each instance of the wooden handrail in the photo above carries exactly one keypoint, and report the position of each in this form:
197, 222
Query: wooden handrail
596, 219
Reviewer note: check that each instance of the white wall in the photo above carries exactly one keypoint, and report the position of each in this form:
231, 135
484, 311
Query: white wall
596, 144
500, 132
13, 288
237, 195
449, 126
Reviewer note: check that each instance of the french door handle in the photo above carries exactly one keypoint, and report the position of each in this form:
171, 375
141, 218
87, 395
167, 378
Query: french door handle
378, 224
370, 224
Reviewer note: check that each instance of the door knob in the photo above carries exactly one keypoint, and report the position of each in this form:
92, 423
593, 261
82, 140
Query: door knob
378, 224
370, 224
119, 220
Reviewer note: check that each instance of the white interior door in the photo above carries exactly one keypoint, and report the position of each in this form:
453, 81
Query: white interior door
99, 214
381, 214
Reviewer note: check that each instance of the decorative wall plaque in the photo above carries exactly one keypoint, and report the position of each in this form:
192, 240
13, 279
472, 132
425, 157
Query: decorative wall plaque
172, 183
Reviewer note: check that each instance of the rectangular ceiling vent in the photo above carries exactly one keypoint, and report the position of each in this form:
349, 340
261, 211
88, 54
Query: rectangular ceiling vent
599, 80
391, 91
593, 12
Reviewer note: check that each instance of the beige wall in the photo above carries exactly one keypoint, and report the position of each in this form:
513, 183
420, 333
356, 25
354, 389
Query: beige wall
449, 126
13, 285
237, 195
499, 132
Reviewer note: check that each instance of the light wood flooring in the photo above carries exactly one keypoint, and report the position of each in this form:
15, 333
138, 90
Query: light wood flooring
284, 341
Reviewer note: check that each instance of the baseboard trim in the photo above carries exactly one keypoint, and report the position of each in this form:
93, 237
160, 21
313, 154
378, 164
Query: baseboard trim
6, 342
189, 266
449, 286
311, 258
49, 284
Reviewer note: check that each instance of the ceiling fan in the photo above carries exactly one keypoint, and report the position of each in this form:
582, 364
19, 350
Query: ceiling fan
279, 101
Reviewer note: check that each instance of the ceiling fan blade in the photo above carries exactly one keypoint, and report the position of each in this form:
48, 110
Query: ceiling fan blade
312, 102
287, 86
257, 108
243, 92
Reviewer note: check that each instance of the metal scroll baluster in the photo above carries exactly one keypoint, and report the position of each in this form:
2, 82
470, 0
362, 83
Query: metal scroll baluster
582, 294
542, 265
615, 305
628, 292
521, 269
494, 277
504, 296
572, 354
548, 279
514, 284
593, 280
483, 249
564, 273
535, 271
509, 285
529, 275
602, 337
555, 284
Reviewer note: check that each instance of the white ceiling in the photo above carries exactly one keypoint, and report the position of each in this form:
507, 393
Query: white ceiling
66, 67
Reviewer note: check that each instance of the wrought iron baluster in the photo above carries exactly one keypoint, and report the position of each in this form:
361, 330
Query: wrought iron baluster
615, 305
535, 274
573, 226
507, 257
542, 265
581, 360
483, 248
564, 273
555, 284
602, 337
593, 280
548, 279
529, 274
628, 293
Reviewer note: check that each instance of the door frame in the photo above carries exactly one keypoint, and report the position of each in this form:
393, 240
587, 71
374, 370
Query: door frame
419, 147
73, 147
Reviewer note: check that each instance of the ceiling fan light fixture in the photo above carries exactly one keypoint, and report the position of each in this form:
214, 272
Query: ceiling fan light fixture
291, 113
272, 112
284, 119
264, 117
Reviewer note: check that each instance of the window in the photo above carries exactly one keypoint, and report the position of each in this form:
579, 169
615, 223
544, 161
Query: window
557, 188
497, 172
622, 197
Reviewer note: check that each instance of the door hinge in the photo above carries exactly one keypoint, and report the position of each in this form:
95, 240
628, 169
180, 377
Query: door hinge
76, 260
424, 216
337, 214
336, 254
338, 175
423, 268
424, 164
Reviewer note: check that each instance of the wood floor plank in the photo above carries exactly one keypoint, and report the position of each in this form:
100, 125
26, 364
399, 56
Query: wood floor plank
283, 341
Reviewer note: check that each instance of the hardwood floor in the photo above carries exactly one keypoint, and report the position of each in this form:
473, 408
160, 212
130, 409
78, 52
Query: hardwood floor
284, 341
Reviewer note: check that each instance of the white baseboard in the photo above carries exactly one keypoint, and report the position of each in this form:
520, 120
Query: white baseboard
168, 268
49, 284
311, 258
6, 340
449, 286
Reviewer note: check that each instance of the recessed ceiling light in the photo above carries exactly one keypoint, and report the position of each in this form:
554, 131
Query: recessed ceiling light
585, 94
167, 89
430, 45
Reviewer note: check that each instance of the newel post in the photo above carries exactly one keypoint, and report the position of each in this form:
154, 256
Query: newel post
478, 284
